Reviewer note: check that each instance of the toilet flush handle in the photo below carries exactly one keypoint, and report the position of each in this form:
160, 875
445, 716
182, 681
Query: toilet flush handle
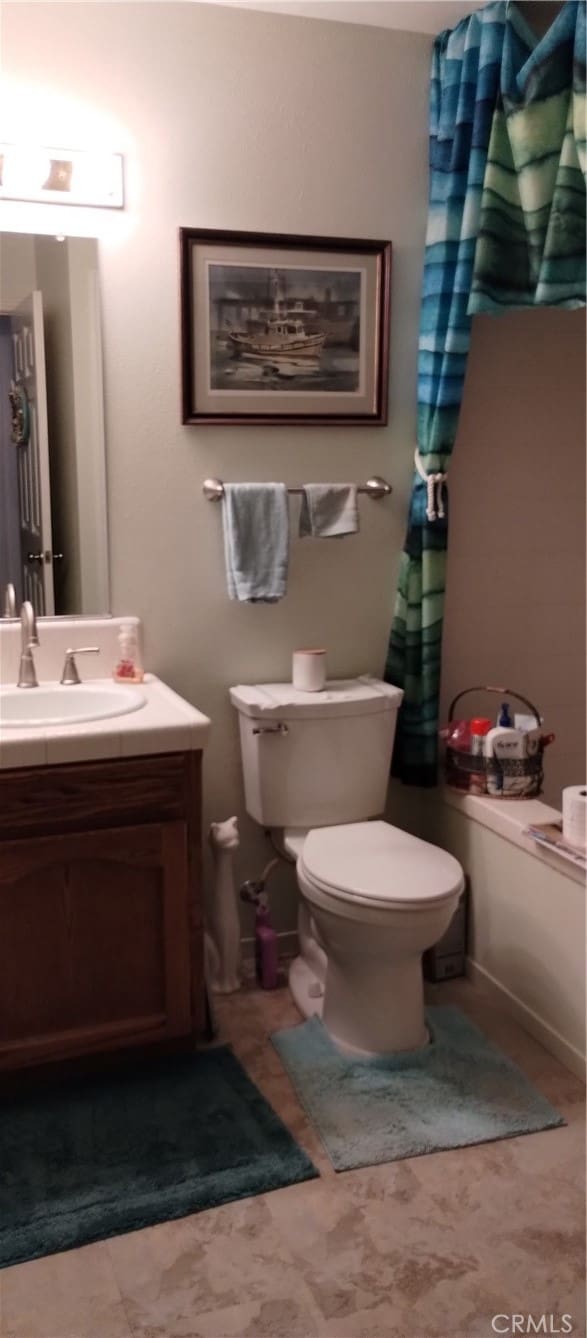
280, 728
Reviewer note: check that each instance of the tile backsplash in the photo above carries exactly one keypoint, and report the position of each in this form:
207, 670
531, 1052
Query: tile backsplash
56, 636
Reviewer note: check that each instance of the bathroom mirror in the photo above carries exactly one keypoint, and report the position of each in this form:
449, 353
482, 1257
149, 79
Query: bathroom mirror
53, 523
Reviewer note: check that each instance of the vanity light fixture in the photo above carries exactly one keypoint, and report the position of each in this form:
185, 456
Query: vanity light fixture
61, 176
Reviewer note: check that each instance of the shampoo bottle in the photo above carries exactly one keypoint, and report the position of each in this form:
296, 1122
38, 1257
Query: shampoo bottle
494, 773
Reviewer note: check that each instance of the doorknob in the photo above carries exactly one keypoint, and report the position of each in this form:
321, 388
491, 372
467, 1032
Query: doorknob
58, 557
35, 557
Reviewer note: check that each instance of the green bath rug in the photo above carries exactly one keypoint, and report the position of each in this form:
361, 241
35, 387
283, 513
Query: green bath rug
456, 1091
110, 1154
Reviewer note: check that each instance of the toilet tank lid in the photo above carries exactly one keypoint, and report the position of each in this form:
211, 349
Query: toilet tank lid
340, 697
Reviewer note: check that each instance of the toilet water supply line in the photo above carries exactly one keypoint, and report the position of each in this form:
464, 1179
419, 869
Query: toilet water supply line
434, 485
253, 890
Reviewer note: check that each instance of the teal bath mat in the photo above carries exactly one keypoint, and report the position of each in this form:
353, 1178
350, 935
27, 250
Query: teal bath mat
456, 1091
110, 1154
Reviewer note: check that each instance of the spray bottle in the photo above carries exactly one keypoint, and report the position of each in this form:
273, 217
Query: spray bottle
266, 956
265, 947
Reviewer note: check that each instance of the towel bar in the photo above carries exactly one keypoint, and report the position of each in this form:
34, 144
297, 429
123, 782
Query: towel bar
213, 489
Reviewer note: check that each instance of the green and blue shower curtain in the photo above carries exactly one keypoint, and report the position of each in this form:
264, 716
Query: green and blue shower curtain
506, 229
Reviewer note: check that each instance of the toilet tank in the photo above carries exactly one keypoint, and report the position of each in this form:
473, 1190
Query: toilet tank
316, 759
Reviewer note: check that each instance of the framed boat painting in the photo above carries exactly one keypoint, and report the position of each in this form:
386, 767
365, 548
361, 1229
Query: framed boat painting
280, 329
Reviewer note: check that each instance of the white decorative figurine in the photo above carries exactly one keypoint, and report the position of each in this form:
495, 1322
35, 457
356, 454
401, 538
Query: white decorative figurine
223, 938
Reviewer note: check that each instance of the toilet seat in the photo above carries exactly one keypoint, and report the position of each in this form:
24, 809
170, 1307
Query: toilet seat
375, 865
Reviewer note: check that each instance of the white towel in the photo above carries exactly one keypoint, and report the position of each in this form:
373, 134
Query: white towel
329, 510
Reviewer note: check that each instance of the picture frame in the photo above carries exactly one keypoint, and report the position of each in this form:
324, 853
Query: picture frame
283, 329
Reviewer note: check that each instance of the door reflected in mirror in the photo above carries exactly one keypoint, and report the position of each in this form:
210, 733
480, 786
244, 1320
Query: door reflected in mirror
53, 523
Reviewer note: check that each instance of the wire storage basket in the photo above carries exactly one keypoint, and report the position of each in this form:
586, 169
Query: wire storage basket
503, 778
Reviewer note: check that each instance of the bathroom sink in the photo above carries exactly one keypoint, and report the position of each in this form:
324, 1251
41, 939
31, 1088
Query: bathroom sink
54, 705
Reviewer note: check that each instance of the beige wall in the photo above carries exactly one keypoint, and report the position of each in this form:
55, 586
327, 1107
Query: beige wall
238, 120
515, 603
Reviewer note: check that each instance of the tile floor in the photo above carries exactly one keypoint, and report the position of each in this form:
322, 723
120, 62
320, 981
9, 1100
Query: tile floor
433, 1247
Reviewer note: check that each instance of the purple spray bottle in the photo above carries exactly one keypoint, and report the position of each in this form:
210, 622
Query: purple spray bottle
265, 946
266, 957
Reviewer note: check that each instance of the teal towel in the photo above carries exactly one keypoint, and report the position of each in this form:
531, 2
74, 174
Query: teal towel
256, 541
329, 510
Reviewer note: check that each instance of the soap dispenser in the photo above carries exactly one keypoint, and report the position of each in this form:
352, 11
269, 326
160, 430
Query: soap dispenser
128, 668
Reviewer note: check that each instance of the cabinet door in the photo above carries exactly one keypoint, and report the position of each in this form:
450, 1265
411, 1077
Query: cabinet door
94, 942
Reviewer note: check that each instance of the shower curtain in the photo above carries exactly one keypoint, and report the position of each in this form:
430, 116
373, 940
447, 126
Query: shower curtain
506, 228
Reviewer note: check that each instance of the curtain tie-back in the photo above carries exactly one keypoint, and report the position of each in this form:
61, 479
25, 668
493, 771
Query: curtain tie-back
434, 483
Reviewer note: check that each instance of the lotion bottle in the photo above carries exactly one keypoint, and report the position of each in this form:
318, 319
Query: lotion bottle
503, 744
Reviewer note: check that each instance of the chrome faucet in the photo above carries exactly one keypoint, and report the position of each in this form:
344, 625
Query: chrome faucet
9, 601
27, 675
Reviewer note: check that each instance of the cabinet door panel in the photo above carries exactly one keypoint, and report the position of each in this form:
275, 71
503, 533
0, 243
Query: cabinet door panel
94, 942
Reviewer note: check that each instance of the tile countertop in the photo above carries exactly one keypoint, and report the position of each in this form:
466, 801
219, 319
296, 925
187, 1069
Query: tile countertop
510, 818
165, 724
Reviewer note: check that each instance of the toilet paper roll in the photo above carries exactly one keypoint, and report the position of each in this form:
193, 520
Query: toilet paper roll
309, 670
575, 816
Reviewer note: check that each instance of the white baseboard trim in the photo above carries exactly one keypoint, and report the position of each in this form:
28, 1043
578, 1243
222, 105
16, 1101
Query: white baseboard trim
547, 1035
287, 943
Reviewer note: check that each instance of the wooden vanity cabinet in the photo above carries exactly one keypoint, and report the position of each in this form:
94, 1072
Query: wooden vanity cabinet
101, 937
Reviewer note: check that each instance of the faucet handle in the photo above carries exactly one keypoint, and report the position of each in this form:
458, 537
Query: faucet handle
70, 673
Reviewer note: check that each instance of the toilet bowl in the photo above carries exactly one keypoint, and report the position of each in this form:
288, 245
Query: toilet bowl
373, 899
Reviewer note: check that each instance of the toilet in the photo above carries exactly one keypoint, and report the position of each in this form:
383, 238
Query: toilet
372, 897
